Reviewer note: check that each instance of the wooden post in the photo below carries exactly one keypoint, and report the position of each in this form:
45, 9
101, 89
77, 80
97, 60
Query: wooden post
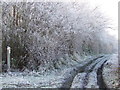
8, 58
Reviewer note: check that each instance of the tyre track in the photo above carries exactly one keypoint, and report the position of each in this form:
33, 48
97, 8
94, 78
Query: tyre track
70, 75
92, 75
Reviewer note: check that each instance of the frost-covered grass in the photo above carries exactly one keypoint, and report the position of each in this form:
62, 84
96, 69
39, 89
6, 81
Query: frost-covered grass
33, 79
111, 72
38, 79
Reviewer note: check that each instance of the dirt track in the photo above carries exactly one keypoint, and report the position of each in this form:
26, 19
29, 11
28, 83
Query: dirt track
87, 74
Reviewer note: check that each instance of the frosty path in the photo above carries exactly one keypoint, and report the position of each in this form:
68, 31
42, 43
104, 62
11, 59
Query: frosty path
88, 74
91, 76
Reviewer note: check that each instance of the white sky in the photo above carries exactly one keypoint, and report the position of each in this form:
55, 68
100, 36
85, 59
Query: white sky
109, 9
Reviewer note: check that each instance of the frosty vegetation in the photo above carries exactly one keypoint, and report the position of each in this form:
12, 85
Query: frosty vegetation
41, 35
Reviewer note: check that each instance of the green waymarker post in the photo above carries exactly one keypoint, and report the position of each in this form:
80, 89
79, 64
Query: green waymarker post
8, 59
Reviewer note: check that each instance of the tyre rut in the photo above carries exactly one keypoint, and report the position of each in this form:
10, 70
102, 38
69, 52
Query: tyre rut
78, 69
94, 68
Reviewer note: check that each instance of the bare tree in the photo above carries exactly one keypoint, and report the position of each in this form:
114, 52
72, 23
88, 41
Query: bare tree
42, 33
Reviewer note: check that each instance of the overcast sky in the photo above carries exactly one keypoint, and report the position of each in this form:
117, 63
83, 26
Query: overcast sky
109, 9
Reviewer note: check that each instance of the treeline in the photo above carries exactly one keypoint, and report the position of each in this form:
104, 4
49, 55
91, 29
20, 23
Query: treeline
40, 33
